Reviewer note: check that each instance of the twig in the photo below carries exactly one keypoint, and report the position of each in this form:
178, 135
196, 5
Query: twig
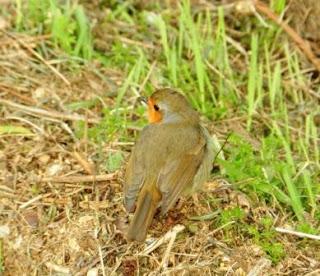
298, 234
39, 129
221, 148
29, 202
147, 77
85, 269
85, 134
83, 162
58, 268
304, 89
313, 273
38, 56
47, 113
130, 41
28, 39
302, 45
101, 260
222, 76
79, 178
17, 93
96, 260
173, 232
221, 227
238, 47
164, 262
4, 231
121, 144
262, 265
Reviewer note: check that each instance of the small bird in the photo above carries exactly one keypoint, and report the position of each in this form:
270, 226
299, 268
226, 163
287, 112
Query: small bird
171, 158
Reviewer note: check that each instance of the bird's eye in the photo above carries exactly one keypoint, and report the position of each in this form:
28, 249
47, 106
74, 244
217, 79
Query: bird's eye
156, 107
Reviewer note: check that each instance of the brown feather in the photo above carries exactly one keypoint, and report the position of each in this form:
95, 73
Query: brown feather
173, 183
148, 202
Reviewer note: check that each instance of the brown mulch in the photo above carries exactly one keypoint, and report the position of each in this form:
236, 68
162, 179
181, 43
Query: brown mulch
76, 227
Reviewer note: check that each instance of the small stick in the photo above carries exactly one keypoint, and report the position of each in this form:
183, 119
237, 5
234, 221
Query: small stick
147, 77
58, 268
39, 129
18, 88
85, 134
130, 41
215, 70
29, 202
302, 45
96, 260
298, 234
101, 260
28, 39
122, 143
83, 162
17, 93
222, 147
262, 265
173, 232
164, 262
79, 178
38, 56
48, 113
303, 88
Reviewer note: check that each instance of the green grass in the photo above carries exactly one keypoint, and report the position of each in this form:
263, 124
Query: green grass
234, 223
195, 55
12, 130
265, 236
1, 257
67, 24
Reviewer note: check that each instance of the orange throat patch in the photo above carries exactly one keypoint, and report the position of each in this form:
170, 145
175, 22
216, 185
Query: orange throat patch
154, 115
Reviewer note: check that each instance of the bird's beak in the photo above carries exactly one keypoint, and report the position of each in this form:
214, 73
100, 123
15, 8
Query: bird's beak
143, 100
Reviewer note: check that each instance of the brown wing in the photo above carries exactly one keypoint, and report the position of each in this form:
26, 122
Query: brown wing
136, 170
133, 181
206, 163
178, 175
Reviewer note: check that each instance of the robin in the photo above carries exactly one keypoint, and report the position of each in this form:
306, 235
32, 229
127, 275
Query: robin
172, 158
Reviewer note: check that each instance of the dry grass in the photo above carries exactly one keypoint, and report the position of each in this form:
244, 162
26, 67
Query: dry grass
75, 227
70, 228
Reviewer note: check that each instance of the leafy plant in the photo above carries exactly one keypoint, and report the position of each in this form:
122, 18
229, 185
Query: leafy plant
265, 236
114, 161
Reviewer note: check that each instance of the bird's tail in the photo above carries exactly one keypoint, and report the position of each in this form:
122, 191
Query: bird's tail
148, 202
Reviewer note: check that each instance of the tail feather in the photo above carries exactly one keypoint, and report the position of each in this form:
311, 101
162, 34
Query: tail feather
146, 207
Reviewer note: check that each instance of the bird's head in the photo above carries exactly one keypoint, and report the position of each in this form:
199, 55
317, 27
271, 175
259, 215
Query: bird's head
169, 106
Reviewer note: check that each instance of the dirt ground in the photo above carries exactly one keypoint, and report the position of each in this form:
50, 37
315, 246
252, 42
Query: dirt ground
58, 219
